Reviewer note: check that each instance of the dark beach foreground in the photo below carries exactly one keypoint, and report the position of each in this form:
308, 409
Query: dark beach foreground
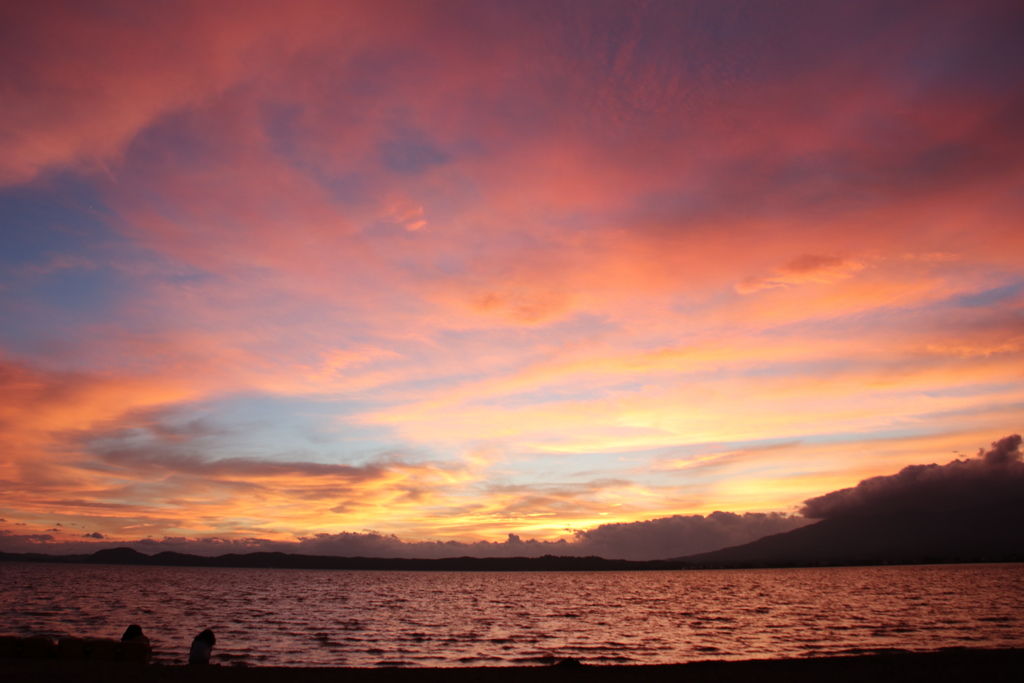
947, 665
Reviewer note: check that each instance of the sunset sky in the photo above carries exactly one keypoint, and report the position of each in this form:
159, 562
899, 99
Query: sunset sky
456, 270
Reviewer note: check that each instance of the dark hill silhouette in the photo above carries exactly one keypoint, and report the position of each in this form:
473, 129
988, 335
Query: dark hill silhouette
118, 556
267, 560
985, 533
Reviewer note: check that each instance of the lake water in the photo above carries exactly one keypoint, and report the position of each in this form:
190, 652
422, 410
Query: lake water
367, 618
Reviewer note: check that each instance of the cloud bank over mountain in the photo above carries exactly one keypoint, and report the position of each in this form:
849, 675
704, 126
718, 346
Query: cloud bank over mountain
969, 510
994, 476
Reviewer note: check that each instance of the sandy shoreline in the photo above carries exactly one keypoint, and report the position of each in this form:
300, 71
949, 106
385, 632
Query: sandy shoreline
947, 665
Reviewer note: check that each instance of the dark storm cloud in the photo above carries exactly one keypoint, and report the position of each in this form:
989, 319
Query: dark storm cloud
994, 476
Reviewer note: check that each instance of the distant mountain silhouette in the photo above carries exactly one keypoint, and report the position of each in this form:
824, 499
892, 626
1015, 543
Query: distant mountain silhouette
118, 556
992, 532
986, 533
265, 560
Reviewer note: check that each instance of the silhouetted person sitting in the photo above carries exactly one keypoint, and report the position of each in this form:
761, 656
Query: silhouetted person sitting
202, 646
135, 645
134, 634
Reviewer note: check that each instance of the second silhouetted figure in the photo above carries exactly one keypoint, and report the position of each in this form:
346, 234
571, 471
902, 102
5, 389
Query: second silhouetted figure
202, 646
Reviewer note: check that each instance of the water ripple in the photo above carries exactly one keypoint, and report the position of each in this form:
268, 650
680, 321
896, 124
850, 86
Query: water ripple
371, 619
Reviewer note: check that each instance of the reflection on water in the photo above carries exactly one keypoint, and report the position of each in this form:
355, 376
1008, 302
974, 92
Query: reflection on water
364, 618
